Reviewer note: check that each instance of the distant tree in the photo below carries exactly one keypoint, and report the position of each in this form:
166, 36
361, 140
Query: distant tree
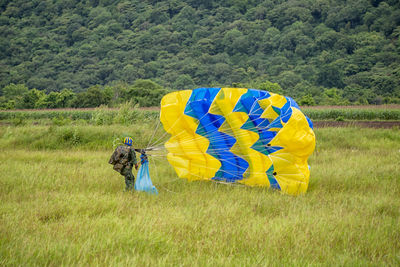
183, 82
307, 100
270, 87
42, 103
271, 40
239, 75
233, 38
64, 98
306, 46
330, 75
31, 97
51, 99
146, 93
14, 91
146, 84
288, 79
333, 96
93, 97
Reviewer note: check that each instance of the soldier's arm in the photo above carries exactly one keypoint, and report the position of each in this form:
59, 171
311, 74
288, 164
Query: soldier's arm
133, 159
139, 150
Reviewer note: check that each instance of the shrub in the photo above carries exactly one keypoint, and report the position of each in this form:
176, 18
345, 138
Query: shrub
60, 121
102, 116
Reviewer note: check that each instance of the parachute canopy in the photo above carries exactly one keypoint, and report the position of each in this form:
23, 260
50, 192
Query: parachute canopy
239, 135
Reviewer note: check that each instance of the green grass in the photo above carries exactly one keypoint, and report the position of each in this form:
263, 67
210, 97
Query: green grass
65, 205
127, 115
86, 137
357, 114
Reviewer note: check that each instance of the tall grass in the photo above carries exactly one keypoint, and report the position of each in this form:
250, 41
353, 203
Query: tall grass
67, 207
101, 115
87, 137
353, 114
127, 115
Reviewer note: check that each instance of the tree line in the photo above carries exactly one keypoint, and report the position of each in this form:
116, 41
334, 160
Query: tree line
348, 51
144, 93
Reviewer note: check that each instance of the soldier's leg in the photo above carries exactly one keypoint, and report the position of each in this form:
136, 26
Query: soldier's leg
127, 183
125, 173
129, 180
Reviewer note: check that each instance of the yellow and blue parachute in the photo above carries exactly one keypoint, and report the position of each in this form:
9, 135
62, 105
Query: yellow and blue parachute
239, 135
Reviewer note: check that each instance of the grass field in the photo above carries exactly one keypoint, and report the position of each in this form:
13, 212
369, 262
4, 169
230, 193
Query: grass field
127, 115
62, 204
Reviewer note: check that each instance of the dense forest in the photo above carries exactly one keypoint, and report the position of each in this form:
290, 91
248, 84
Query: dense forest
68, 53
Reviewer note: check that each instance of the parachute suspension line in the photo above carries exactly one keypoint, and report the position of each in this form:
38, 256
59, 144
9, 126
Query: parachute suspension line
230, 184
216, 150
158, 185
154, 132
212, 139
157, 156
255, 128
166, 189
220, 159
174, 180
193, 139
160, 141
216, 181
219, 138
155, 166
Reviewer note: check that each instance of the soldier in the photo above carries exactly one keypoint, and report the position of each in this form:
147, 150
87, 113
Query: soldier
123, 159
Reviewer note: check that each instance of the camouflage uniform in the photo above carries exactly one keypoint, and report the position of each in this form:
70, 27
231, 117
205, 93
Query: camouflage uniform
127, 170
123, 159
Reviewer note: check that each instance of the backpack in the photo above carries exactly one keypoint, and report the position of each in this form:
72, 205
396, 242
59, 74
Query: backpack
120, 158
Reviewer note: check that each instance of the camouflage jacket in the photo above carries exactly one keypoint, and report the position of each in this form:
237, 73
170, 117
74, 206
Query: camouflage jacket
123, 157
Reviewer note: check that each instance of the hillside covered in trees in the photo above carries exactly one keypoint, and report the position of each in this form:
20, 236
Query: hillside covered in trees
318, 51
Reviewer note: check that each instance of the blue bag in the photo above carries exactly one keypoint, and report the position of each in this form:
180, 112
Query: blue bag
143, 181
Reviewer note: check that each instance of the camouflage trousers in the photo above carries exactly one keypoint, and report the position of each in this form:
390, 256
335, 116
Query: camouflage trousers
129, 178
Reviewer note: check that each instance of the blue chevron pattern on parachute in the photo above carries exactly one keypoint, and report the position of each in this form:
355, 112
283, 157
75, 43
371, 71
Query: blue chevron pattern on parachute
239, 135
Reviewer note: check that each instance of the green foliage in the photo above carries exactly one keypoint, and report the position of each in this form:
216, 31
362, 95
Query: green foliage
352, 114
270, 87
63, 135
144, 93
102, 116
64, 98
93, 45
61, 121
340, 118
14, 91
126, 114
13, 96
333, 96
32, 97
93, 97
18, 121
307, 100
